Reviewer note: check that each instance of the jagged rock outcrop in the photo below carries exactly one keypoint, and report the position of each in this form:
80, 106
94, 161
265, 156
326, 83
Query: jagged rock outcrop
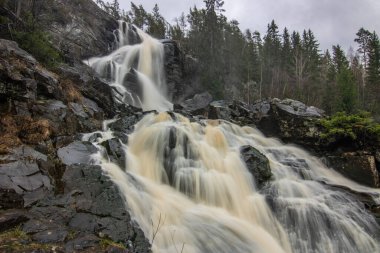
79, 28
47, 188
358, 166
197, 105
289, 120
181, 73
91, 207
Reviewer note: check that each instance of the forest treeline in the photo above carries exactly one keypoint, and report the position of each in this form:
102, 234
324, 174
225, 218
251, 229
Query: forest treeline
247, 65
285, 64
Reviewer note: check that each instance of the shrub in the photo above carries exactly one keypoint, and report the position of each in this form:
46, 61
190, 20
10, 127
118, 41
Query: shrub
342, 126
37, 43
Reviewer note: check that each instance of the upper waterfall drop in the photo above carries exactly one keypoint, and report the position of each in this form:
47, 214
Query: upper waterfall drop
135, 70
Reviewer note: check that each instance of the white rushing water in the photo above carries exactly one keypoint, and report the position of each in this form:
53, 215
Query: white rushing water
189, 190
135, 72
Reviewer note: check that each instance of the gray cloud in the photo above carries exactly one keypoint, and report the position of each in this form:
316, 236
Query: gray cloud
332, 21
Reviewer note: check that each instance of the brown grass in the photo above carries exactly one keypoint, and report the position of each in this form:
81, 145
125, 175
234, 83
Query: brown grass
34, 131
70, 91
8, 134
15, 130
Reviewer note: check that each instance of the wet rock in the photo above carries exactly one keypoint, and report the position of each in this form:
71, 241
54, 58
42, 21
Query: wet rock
360, 168
84, 222
76, 152
90, 86
23, 177
11, 48
31, 183
19, 168
298, 108
9, 199
91, 206
257, 164
181, 72
50, 236
78, 110
82, 242
198, 104
219, 110
132, 83
92, 108
32, 197
122, 137
22, 78
11, 218
115, 151
299, 166
377, 156
289, 120
125, 124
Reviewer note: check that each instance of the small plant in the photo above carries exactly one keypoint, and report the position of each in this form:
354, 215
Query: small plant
34, 40
106, 242
350, 127
15, 233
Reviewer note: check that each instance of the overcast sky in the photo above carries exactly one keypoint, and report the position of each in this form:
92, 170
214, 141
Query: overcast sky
332, 21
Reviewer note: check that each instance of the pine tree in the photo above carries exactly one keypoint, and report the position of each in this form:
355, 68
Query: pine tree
345, 81
156, 25
363, 39
272, 58
373, 74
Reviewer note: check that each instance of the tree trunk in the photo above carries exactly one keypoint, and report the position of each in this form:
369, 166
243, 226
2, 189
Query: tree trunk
18, 9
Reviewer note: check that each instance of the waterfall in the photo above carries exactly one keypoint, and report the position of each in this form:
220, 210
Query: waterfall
188, 188
135, 71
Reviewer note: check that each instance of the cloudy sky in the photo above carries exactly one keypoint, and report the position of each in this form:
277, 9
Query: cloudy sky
332, 21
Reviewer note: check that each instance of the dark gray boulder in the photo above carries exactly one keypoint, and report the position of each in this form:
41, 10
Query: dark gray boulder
22, 182
11, 218
289, 120
358, 167
257, 164
92, 207
9, 198
115, 151
198, 105
125, 124
76, 152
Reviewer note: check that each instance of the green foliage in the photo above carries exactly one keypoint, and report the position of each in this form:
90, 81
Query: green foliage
349, 127
105, 242
4, 20
15, 233
35, 41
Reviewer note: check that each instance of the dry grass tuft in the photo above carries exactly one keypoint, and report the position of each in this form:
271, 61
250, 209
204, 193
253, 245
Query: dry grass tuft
70, 91
15, 130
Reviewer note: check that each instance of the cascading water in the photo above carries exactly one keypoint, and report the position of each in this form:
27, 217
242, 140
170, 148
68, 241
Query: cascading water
135, 71
189, 190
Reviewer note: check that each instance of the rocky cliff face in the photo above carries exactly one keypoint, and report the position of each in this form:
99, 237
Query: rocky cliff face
55, 203
78, 28
181, 73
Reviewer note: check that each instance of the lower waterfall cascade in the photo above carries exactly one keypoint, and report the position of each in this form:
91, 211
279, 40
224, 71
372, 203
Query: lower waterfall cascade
189, 190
